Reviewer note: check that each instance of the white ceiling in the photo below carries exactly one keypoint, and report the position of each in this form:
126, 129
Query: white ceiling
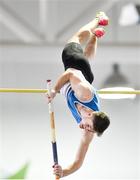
42, 22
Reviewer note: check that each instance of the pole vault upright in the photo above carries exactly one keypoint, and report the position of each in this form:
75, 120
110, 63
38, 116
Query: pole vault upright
52, 126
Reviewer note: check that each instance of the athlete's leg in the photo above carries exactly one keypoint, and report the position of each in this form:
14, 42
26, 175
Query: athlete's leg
84, 33
74, 56
91, 46
90, 49
89, 34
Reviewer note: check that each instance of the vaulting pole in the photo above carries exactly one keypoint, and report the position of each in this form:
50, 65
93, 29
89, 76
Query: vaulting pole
52, 125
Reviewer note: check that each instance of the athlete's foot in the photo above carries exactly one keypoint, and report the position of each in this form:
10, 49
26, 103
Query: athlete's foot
99, 32
102, 18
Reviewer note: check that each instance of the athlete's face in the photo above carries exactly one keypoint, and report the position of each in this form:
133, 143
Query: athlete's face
87, 119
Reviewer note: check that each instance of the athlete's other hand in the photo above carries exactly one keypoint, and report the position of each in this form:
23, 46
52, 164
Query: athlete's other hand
50, 96
57, 170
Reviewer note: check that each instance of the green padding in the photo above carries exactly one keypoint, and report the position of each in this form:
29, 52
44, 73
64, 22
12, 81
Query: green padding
20, 174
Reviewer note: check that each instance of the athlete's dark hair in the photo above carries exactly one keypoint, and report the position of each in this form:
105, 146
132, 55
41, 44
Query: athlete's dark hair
100, 123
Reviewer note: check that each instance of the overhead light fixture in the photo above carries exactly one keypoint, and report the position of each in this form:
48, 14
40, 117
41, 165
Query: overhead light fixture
130, 15
117, 82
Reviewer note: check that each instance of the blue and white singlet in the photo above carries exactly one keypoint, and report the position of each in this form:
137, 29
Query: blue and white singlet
72, 100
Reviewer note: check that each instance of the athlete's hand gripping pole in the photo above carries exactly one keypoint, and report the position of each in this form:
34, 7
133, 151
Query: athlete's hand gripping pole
52, 125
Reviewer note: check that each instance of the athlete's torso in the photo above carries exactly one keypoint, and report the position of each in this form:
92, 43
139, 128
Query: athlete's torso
73, 102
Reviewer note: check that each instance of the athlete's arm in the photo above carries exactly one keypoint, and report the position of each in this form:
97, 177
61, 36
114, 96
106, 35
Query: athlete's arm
82, 88
63, 79
80, 156
80, 85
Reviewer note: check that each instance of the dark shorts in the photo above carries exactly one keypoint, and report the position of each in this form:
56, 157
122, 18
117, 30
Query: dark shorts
73, 57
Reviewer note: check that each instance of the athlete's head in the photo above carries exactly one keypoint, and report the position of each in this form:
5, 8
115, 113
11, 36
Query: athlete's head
100, 122
96, 122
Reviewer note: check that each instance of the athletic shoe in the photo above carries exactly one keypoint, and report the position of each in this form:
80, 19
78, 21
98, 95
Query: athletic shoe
103, 19
99, 32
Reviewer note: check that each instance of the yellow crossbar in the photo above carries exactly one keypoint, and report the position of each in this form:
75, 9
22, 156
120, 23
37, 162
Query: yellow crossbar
12, 90
118, 92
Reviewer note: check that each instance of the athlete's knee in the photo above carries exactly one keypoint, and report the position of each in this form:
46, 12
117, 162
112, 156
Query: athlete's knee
74, 39
80, 36
83, 35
